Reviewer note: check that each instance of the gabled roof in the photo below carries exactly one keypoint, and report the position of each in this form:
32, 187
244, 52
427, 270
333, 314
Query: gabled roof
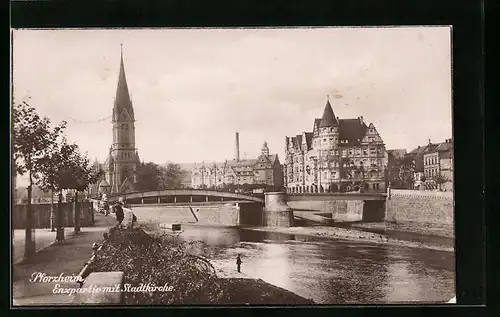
241, 163
298, 141
421, 149
444, 147
309, 137
351, 130
122, 99
317, 122
431, 148
328, 119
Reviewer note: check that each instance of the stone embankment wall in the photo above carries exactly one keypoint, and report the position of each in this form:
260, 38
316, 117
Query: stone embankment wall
344, 210
41, 215
217, 214
420, 208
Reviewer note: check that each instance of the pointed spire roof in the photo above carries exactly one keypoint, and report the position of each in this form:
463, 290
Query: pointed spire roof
122, 99
328, 119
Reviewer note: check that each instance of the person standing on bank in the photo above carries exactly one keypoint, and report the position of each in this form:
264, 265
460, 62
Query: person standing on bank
238, 263
119, 211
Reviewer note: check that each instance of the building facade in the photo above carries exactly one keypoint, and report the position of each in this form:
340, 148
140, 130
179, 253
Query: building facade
264, 171
338, 155
416, 157
120, 167
438, 166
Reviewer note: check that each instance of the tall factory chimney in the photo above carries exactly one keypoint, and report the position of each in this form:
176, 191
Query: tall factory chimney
237, 147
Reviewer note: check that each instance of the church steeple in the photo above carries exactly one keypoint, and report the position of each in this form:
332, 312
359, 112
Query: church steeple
122, 99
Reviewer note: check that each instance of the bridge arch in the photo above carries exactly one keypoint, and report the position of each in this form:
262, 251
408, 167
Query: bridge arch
224, 196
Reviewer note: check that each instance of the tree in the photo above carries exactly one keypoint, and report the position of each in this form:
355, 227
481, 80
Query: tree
59, 174
32, 140
83, 175
440, 179
170, 176
148, 176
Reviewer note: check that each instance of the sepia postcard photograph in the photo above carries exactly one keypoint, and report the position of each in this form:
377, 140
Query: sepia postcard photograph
232, 166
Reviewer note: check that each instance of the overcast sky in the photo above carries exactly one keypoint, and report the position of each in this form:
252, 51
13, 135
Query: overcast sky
192, 89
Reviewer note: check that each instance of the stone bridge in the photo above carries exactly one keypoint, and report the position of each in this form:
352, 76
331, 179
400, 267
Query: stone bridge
184, 196
280, 207
276, 209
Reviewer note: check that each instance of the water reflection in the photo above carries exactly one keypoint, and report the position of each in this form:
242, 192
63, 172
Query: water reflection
333, 271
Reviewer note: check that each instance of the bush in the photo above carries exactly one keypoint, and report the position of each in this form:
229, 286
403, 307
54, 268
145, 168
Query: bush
147, 259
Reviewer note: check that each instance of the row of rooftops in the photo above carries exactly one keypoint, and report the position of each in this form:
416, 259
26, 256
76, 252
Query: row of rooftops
237, 164
416, 156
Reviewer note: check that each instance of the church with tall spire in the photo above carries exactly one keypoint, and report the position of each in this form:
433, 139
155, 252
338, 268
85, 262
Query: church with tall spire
120, 167
338, 155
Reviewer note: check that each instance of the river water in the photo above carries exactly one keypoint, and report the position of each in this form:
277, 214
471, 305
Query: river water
331, 271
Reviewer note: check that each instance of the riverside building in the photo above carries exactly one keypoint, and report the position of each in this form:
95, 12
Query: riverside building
338, 155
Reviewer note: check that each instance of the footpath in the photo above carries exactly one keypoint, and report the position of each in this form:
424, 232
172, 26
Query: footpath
56, 259
43, 238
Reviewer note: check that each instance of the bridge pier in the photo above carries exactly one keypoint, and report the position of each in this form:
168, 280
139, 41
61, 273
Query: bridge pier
159, 200
206, 199
276, 212
142, 201
175, 199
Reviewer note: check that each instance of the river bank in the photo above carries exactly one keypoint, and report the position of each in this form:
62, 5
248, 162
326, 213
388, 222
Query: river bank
192, 278
353, 234
378, 233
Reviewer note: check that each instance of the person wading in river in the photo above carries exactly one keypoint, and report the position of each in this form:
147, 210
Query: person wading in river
238, 263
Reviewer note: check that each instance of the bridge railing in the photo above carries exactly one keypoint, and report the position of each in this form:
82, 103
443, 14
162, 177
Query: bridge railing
184, 192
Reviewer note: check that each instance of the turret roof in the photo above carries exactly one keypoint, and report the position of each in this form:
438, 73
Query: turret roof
328, 119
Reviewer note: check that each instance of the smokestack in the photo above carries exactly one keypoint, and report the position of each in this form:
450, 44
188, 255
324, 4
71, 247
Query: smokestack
237, 147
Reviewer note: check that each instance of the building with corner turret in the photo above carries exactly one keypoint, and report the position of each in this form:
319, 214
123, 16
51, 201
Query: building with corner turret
338, 155
120, 167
